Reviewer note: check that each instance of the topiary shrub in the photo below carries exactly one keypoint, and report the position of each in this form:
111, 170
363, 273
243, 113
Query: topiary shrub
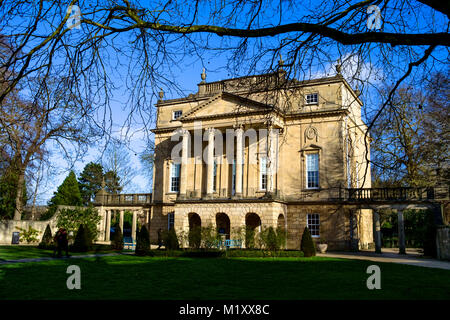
142, 242
82, 240
170, 240
47, 239
307, 244
117, 240
271, 240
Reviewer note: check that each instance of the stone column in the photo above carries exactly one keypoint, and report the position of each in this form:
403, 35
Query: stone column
210, 164
239, 161
121, 221
401, 232
133, 226
376, 231
108, 225
184, 164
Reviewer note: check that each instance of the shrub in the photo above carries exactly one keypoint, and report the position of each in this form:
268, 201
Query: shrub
142, 242
250, 238
281, 237
71, 219
117, 240
170, 240
29, 236
195, 237
307, 244
271, 240
47, 239
82, 240
210, 237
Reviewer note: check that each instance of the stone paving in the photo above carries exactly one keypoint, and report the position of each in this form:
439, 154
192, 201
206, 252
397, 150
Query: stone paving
412, 257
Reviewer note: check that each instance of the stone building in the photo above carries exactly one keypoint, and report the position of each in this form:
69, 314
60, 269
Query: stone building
262, 151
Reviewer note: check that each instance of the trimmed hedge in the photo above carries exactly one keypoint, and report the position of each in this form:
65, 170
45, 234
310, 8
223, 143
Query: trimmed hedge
142, 242
117, 240
47, 239
83, 241
307, 244
232, 253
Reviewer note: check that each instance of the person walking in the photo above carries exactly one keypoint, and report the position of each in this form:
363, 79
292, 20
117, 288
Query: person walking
62, 242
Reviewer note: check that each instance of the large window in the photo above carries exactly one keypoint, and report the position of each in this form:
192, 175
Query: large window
215, 176
263, 173
175, 177
314, 224
312, 171
312, 98
170, 220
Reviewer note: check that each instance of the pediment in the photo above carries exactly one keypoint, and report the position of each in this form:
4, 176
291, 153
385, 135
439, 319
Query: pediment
225, 104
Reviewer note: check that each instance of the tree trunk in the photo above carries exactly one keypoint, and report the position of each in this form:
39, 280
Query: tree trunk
19, 195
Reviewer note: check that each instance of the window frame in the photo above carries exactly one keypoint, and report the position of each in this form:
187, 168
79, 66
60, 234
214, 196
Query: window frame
263, 160
170, 220
316, 94
314, 227
307, 171
172, 177
176, 111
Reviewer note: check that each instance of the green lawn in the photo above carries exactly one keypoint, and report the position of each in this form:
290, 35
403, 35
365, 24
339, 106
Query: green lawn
27, 252
131, 277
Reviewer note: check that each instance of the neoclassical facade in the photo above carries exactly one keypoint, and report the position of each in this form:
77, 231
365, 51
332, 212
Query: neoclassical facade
261, 151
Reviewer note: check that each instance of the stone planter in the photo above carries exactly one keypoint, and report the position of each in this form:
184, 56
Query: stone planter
322, 247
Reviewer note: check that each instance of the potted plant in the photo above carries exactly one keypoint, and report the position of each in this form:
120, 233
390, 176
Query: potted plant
323, 246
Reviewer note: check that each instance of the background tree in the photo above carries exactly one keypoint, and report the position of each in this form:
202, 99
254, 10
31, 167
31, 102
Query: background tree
90, 181
156, 40
411, 141
68, 194
119, 170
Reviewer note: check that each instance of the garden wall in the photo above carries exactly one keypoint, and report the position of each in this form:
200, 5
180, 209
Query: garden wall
7, 227
443, 242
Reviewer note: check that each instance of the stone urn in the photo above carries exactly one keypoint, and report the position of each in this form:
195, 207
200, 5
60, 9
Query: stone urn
322, 247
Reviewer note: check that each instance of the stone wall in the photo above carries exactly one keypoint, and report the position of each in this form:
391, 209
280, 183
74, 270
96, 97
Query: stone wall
443, 242
7, 227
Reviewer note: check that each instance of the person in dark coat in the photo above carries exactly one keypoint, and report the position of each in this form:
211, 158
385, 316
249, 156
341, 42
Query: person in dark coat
62, 242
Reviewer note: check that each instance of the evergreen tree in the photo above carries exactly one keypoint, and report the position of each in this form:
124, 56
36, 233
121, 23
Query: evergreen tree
82, 240
90, 181
142, 242
307, 244
117, 240
47, 238
68, 194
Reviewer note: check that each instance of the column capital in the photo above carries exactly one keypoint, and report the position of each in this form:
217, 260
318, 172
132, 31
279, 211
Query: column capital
238, 126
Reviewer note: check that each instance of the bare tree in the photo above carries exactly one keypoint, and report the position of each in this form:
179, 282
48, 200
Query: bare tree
144, 45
